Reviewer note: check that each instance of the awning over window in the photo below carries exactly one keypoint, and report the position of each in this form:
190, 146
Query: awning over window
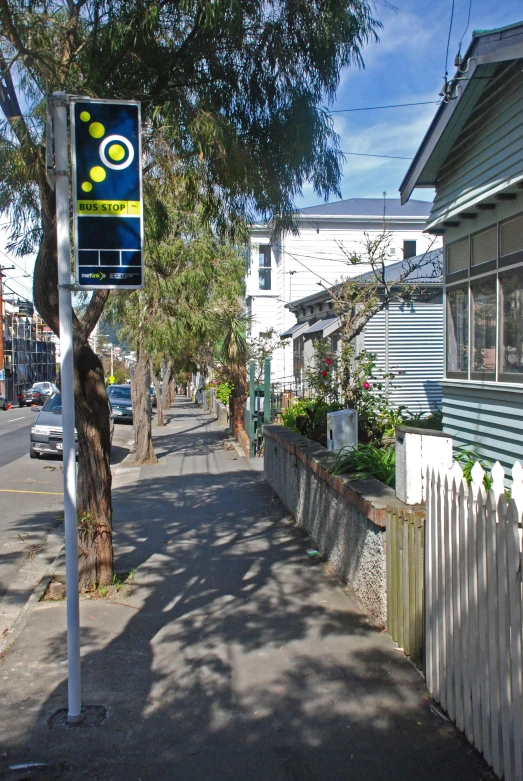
324, 327
296, 330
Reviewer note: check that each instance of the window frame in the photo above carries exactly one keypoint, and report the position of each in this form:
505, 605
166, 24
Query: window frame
266, 269
506, 376
457, 375
504, 265
480, 375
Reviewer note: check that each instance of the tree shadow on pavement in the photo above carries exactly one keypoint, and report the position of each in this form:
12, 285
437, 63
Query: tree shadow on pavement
236, 658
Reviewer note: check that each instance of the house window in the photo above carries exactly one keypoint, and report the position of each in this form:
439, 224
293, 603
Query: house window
457, 332
265, 267
409, 249
511, 327
298, 357
484, 247
484, 316
511, 240
458, 256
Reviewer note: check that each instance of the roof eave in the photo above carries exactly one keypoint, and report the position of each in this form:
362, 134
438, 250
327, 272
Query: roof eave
493, 55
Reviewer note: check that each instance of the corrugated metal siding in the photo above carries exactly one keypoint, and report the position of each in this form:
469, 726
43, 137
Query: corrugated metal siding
490, 418
489, 150
413, 352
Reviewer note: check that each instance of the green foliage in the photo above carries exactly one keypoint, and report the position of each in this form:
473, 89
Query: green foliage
351, 382
466, 456
368, 461
309, 417
224, 391
428, 420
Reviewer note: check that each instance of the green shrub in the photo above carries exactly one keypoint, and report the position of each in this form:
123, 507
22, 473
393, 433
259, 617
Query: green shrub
466, 456
224, 391
368, 461
429, 420
309, 418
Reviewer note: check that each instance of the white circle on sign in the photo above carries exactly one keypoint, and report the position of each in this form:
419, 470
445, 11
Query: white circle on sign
111, 140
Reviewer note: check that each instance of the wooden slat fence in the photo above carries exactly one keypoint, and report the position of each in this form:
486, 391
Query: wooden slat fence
474, 609
405, 540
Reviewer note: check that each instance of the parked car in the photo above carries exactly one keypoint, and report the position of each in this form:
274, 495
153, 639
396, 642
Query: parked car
47, 433
154, 400
3, 402
120, 402
37, 394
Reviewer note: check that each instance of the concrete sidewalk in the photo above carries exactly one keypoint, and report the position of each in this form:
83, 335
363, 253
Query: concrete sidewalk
236, 658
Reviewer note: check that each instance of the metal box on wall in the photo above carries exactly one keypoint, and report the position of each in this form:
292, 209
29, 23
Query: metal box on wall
342, 430
416, 449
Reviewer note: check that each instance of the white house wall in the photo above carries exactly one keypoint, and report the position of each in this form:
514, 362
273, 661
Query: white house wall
316, 260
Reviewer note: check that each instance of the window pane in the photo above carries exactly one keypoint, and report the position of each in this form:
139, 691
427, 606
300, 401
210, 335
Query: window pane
512, 324
484, 327
511, 236
409, 249
484, 246
457, 330
458, 256
265, 267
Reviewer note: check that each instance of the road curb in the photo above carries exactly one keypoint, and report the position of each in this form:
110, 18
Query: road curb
37, 593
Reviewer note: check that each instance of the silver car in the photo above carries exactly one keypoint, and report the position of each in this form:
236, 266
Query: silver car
46, 434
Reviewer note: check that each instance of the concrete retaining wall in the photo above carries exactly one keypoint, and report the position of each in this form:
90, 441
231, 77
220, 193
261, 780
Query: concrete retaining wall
221, 413
345, 519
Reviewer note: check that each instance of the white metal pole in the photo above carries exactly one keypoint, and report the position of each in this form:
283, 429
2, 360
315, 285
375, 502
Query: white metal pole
67, 389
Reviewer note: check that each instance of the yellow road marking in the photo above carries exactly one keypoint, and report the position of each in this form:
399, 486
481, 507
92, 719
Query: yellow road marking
15, 491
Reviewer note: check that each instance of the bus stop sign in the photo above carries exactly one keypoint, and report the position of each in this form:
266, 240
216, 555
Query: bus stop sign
107, 194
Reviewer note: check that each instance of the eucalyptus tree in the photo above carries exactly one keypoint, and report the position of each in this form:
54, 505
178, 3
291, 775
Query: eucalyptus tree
233, 98
194, 279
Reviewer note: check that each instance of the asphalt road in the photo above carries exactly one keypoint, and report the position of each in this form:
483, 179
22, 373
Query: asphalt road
31, 492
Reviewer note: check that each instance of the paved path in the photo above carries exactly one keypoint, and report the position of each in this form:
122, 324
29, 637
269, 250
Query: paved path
236, 658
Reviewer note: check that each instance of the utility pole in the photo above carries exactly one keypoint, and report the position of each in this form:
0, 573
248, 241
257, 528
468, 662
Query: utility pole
2, 336
112, 360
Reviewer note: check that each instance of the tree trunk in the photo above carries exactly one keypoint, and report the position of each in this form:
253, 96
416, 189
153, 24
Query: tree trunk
172, 391
94, 472
91, 410
141, 397
166, 387
156, 383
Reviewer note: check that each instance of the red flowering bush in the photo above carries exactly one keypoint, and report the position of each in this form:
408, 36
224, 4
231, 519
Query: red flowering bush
328, 361
366, 385
324, 373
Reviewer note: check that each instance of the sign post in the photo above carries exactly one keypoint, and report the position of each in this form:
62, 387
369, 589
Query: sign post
108, 243
63, 234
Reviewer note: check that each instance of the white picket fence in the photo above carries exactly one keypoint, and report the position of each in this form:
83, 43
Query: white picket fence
474, 609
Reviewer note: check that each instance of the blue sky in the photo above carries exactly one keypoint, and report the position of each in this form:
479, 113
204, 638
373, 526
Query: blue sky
406, 66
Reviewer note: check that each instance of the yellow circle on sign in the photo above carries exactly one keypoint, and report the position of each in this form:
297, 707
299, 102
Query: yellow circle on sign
116, 152
96, 129
87, 187
85, 116
97, 173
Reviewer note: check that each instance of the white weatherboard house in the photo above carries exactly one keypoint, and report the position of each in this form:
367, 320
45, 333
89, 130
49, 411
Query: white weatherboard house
291, 267
406, 336
473, 155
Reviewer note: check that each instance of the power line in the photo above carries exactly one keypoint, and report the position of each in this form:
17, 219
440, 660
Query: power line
376, 108
466, 28
448, 41
386, 157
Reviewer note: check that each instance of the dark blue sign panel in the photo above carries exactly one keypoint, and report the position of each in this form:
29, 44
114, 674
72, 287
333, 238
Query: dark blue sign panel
107, 194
